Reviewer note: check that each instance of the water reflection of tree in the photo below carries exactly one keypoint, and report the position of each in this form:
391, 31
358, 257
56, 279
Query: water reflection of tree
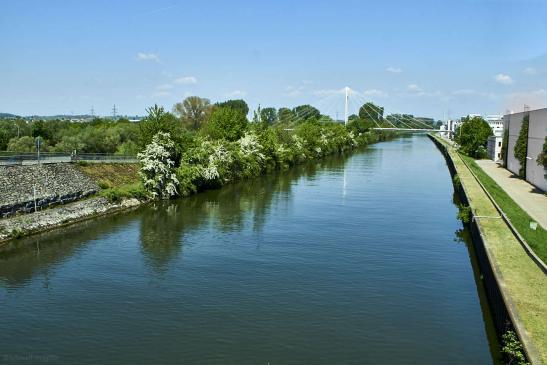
250, 201
229, 209
163, 224
160, 233
461, 235
21, 260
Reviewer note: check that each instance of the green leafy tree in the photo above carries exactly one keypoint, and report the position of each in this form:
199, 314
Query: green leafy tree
521, 146
542, 157
193, 111
268, 116
237, 104
70, 143
157, 120
326, 119
5, 136
371, 112
39, 128
472, 136
306, 112
227, 123
504, 145
285, 116
359, 126
22, 144
127, 148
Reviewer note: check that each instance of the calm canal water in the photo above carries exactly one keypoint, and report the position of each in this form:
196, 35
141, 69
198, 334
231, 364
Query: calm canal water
348, 261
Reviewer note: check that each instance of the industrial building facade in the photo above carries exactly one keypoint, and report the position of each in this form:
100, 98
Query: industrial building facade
537, 130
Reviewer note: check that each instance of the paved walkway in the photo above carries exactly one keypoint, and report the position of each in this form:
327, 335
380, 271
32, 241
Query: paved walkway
527, 196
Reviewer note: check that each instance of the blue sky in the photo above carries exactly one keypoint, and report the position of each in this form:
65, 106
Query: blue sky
429, 58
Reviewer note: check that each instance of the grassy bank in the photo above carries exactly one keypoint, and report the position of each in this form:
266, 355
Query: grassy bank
522, 283
117, 181
537, 239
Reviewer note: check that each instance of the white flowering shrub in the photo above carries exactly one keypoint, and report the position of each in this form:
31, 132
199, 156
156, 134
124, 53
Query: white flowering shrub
250, 159
250, 146
283, 156
298, 147
211, 163
157, 167
208, 164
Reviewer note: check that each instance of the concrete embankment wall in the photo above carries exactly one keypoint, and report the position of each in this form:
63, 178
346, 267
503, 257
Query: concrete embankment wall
46, 184
502, 319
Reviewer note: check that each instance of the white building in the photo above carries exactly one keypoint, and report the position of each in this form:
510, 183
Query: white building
494, 147
496, 123
450, 127
536, 174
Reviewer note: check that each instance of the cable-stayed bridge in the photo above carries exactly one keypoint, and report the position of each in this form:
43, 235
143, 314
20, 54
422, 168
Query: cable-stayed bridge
351, 102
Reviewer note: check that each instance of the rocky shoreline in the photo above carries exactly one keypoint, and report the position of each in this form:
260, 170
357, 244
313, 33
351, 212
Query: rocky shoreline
28, 224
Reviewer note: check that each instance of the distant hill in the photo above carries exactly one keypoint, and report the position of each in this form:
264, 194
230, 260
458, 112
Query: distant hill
66, 117
60, 116
8, 115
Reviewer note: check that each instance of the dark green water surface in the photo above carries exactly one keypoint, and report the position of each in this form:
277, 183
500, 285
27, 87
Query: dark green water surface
351, 260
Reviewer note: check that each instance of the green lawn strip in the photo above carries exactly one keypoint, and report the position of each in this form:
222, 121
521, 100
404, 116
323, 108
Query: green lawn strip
537, 239
116, 181
110, 175
522, 281
117, 193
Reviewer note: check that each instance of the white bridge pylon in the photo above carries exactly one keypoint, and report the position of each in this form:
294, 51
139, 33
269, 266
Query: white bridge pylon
346, 105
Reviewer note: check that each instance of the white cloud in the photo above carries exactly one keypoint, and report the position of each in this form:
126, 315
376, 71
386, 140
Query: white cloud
472, 92
164, 87
394, 70
293, 91
375, 92
328, 92
186, 80
236, 94
161, 94
414, 88
503, 79
529, 71
148, 57
464, 92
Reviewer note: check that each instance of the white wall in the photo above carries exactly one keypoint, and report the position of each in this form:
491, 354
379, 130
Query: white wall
535, 174
513, 124
494, 148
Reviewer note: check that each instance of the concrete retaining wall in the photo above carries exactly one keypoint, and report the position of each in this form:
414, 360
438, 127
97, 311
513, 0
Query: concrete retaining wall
53, 183
500, 314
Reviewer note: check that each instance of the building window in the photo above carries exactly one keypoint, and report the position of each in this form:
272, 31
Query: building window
499, 144
499, 155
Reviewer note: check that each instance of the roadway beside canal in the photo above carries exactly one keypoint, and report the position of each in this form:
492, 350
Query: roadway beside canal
521, 283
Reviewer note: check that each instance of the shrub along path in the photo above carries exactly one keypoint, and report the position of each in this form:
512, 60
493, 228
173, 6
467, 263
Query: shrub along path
522, 282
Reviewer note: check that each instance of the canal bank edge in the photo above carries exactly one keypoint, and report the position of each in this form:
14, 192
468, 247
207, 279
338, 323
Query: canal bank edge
516, 287
60, 216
